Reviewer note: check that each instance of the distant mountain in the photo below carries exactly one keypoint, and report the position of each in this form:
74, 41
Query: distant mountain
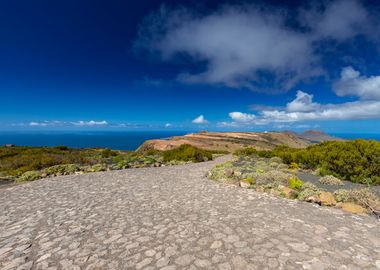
230, 141
317, 136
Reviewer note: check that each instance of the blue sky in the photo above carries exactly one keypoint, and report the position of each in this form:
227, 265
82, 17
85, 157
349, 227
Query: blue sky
181, 65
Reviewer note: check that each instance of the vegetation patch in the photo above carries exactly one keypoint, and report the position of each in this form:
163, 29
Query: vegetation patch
356, 161
187, 152
295, 183
31, 163
331, 180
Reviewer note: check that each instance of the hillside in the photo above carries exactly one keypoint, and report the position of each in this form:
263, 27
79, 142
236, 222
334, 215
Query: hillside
230, 141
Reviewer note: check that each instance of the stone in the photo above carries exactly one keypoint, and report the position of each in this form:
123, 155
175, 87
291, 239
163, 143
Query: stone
184, 260
327, 199
313, 199
244, 184
353, 208
228, 172
216, 244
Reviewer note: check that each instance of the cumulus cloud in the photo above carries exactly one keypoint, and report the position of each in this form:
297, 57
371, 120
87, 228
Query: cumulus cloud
242, 117
302, 108
200, 120
351, 83
167, 125
250, 46
302, 103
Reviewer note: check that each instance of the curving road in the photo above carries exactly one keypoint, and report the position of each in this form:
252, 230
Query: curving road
174, 218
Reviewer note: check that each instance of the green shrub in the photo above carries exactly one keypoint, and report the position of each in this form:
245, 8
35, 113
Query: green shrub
331, 180
246, 151
295, 183
121, 164
273, 177
153, 152
356, 161
294, 166
106, 153
99, 168
29, 176
250, 179
187, 152
363, 197
308, 190
63, 169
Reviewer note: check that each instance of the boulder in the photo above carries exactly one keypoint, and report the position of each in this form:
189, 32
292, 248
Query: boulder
245, 184
352, 208
327, 198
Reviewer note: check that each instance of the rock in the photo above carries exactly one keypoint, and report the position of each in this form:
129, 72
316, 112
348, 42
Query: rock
289, 193
313, 199
228, 172
327, 198
352, 208
245, 184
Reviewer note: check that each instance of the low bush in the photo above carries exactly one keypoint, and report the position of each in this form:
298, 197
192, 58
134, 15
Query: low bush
187, 152
246, 151
106, 153
356, 161
331, 180
295, 183
363, 197
98, 168
63, 169
273, 177
250, 180
29, 176
308, 190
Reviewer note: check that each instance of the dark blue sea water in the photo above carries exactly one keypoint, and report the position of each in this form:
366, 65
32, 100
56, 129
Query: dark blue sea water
352, 136
115, 140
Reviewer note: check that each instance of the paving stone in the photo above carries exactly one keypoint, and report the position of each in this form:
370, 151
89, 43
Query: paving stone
174, 218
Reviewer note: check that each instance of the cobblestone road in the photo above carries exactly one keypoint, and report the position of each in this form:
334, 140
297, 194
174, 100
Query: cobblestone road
174, 218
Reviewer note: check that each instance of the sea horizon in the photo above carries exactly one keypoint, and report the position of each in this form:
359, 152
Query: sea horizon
119, 140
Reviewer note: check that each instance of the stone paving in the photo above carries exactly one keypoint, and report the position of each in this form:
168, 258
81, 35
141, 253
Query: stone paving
174, 218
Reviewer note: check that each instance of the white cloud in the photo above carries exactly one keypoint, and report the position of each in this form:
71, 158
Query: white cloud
302, 103
167, 125
90, 123
352, 84
39, 124
241, 117
302, 108
200, 120
56, 123
249, 46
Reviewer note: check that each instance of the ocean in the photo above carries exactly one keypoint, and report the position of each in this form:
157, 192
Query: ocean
130, 140
352, 136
